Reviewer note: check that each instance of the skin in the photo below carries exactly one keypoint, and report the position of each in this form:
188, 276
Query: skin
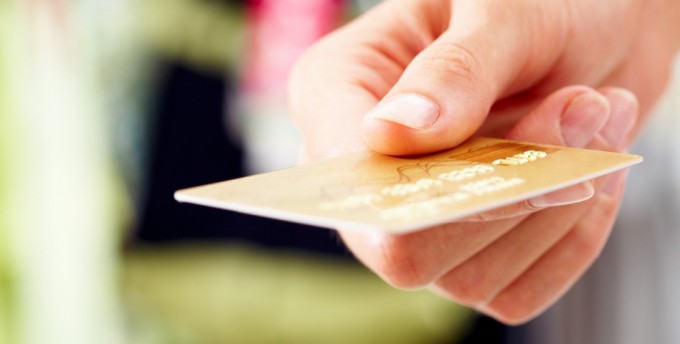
502, 69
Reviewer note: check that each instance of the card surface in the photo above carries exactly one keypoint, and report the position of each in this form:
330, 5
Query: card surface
369, 191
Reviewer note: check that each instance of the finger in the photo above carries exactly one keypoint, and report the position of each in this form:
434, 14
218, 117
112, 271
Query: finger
581, 120
446, 92
618, 131
571, 116
571, 195
476, 281
480, 278
344, 75
559, 268
415, 260
334, 133
625, 113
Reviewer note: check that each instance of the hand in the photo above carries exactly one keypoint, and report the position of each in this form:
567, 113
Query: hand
514, 268
416, 76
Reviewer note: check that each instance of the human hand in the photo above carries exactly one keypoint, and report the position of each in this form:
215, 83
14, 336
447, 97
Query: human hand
513, 268
488, 58
436, 68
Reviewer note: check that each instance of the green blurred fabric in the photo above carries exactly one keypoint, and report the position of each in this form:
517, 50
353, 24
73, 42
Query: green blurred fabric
210, 293
6, 130
59, 186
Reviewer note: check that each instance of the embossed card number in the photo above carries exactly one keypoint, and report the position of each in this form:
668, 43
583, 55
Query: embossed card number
372, 192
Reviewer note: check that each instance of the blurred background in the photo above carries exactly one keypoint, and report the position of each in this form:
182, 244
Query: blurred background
108, 107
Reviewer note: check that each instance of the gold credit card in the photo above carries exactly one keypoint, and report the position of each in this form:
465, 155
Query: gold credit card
368, 191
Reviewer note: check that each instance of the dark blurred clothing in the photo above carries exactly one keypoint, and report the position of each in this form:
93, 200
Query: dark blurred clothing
190, 147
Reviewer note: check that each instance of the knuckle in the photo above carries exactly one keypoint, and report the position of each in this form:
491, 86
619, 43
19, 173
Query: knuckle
589, 244
469, 290
454, 61
468, 295
398, 263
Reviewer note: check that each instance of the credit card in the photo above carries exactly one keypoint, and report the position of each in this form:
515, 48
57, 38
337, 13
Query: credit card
367, 191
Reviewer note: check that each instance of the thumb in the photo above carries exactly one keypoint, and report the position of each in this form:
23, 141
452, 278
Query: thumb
447, 90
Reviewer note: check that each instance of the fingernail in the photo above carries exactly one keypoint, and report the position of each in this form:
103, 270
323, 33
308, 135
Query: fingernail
622, 114
408, 109
616, 183
583, 118
573, 194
